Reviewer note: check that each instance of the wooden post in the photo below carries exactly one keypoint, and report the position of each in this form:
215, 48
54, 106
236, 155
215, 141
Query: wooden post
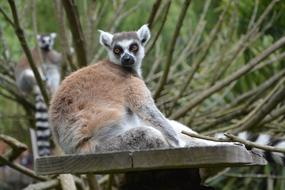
178, 179
34, 144
66, 180
92, 181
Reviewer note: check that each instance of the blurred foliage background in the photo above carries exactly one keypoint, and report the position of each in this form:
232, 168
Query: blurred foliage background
217, 38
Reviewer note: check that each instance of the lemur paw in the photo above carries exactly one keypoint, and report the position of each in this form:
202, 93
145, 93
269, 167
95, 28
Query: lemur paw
175, 143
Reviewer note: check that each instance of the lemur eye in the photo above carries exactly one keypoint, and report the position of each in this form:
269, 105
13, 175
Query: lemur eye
134, 47
117, 50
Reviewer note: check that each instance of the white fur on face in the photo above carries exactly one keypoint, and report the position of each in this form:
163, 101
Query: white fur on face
125, 45
106, 40
28, 72
46, 41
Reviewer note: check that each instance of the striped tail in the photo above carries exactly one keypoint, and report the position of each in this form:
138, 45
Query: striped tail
265, 139
42, 125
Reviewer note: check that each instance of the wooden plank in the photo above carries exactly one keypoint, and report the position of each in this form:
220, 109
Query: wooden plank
192, 157
95, 163
257, 157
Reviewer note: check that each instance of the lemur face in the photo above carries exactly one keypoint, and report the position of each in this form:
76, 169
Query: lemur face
126, 48
46, 41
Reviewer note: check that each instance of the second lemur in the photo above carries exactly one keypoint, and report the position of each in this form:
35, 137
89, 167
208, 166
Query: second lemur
47, 61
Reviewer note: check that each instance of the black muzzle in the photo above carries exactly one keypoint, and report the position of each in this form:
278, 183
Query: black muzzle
127, 60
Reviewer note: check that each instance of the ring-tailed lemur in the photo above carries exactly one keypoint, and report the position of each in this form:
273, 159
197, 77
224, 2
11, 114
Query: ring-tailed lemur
48, 62
107, 106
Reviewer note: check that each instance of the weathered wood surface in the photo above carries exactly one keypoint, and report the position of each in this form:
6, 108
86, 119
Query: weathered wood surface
120, 162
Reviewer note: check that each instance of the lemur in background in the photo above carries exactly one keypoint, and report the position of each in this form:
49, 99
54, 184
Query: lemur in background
107, 106
48, 62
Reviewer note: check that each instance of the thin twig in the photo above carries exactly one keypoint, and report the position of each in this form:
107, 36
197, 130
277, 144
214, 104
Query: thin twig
256, 176
7, 18
253, 15
22, 169
43, 185
17, 148
254, 145
199, 136
14, 143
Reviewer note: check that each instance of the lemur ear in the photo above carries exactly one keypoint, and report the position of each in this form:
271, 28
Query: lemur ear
106, 39
144, 34
38, 37
53, 35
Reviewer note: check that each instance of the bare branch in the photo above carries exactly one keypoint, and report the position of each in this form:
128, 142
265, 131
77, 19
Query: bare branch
197, 64
170, 52
14, 143
274, 115
76, 30
199, 136
153, 12
22, 169
259, 113
254, 145
92, 181
67, 56
161, 27
7, 17
43, 185
223, 83
257, 176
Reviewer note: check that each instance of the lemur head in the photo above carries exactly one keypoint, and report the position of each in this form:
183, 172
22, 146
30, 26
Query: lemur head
126, 48
46, 41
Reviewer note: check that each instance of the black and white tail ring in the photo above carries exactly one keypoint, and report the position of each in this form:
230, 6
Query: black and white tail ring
42, 125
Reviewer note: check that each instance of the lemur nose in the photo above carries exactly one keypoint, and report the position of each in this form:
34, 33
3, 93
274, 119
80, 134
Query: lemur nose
127, 60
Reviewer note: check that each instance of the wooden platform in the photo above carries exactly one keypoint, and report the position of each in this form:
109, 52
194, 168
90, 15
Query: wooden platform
121, 162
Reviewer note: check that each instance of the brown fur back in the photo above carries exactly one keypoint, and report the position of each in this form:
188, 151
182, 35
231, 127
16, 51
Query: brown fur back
93, 97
